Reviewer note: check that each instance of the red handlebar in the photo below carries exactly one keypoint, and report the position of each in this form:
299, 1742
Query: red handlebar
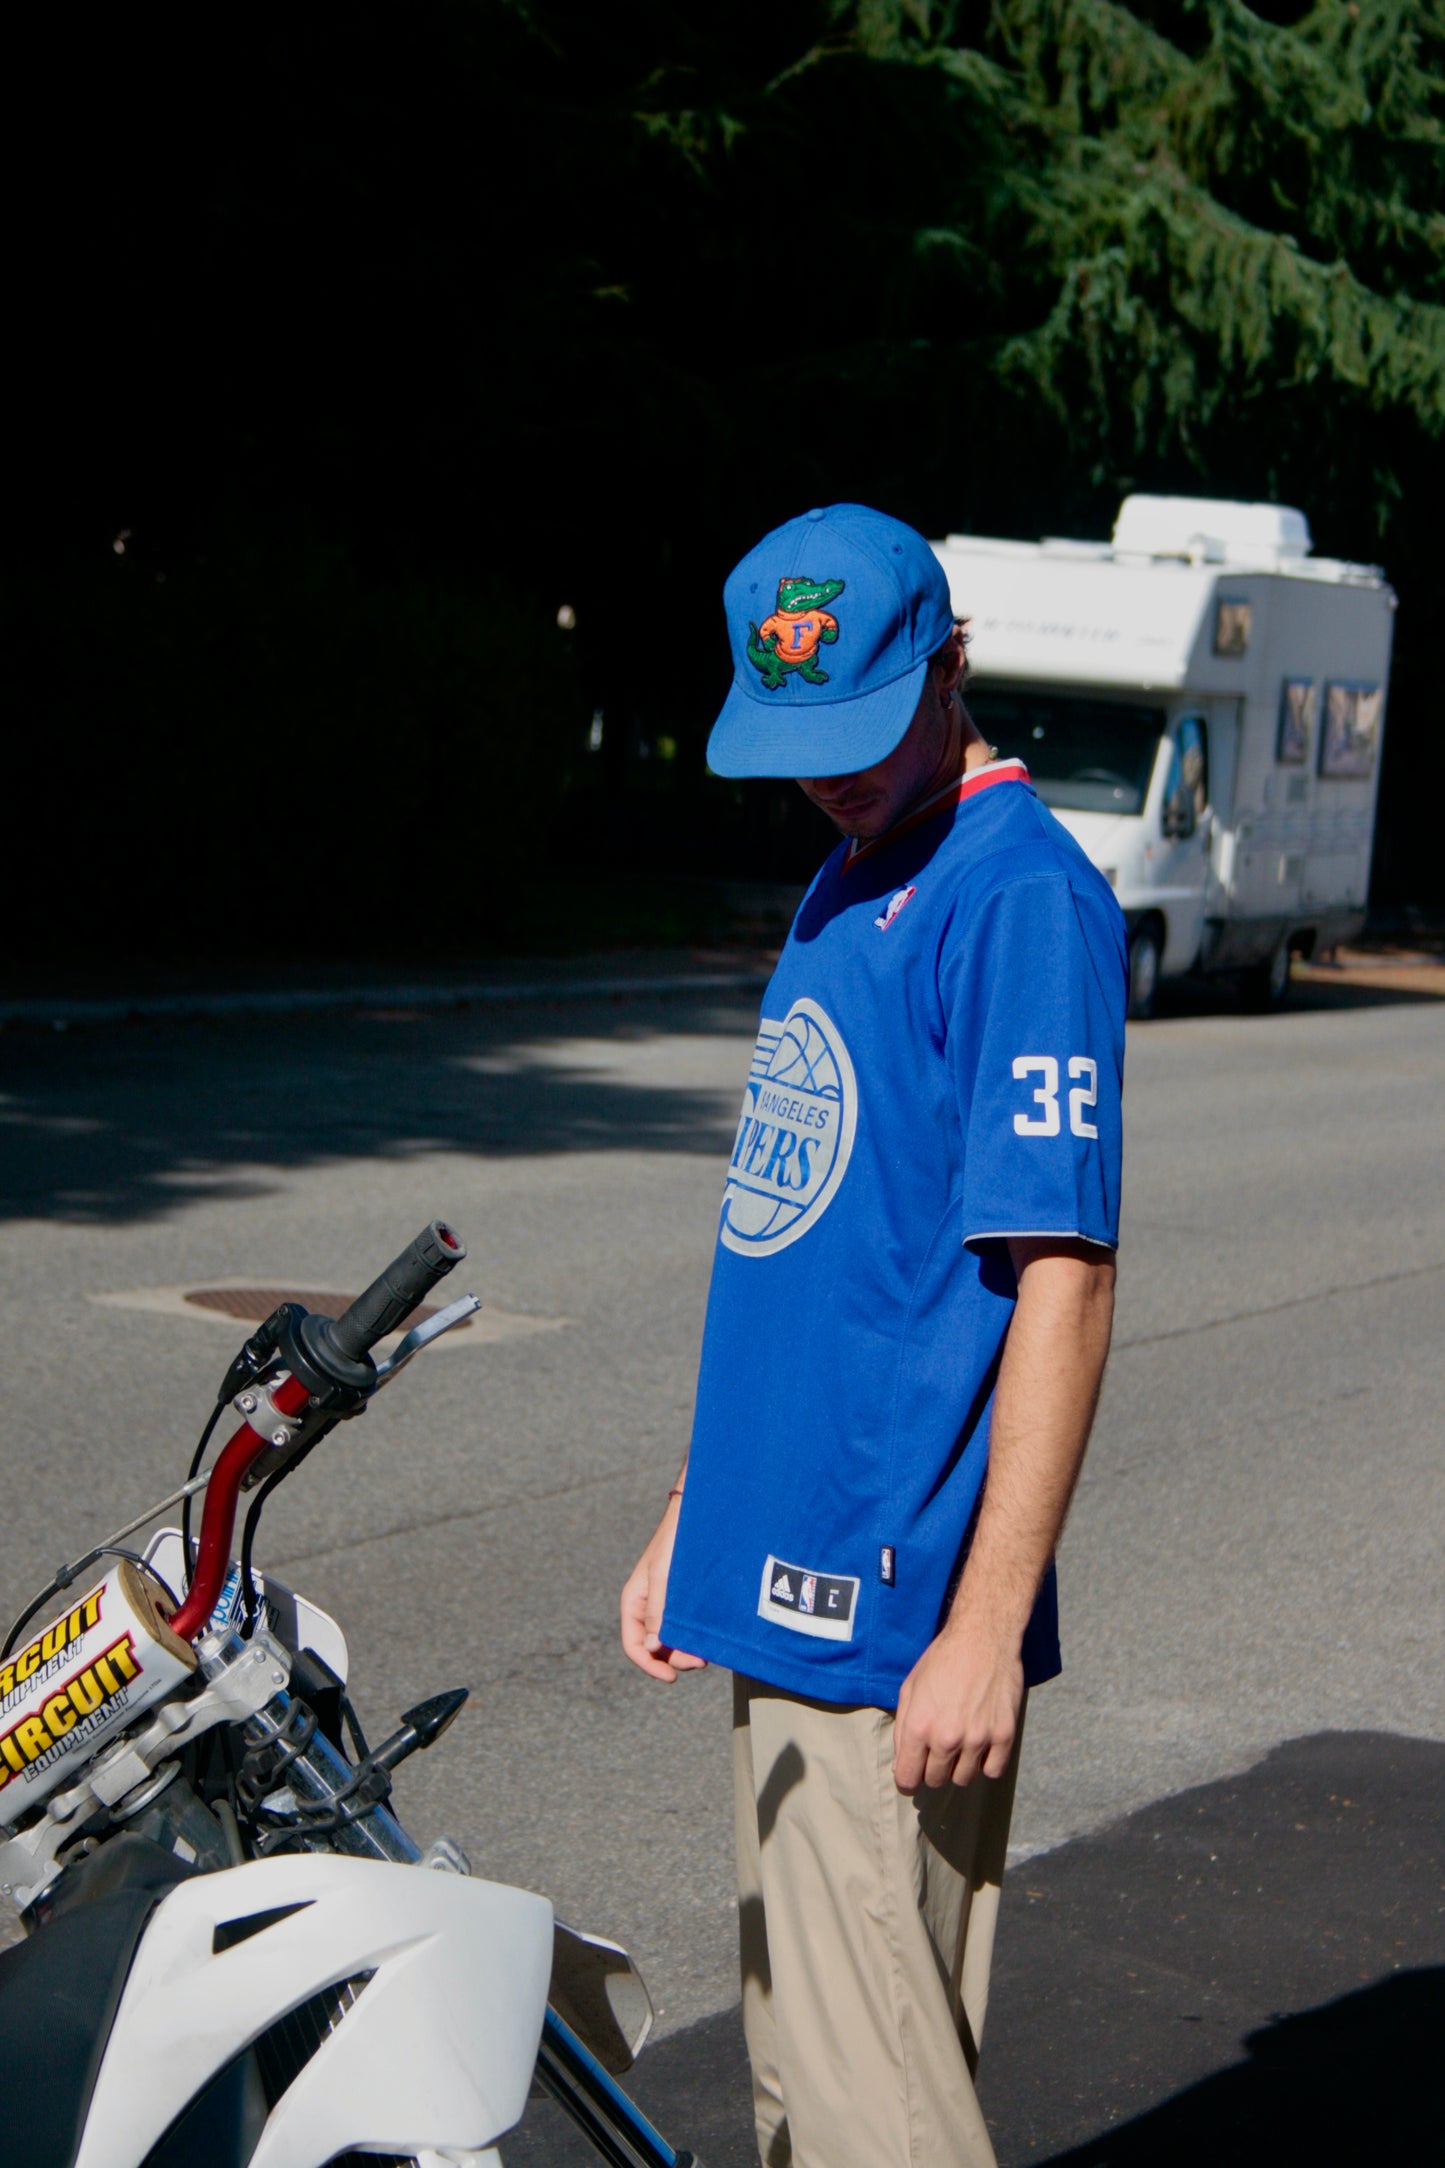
342, 1351
218, 1522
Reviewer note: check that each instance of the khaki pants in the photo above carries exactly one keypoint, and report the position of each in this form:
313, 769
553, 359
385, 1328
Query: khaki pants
866, 1924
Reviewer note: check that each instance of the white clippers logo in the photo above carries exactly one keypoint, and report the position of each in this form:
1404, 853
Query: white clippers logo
895, 905
795, 1136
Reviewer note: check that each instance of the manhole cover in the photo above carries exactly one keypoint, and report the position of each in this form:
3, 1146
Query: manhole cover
254, 1303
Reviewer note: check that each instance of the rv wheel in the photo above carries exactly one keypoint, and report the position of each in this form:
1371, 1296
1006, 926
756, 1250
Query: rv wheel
1143, 971
1265, 987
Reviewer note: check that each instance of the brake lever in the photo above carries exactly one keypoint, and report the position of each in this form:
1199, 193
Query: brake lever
420, 1336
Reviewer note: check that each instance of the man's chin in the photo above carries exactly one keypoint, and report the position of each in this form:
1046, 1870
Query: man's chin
861, 823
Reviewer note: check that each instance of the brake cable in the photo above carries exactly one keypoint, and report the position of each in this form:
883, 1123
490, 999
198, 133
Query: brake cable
250, 1595
110, 1548
196, 1458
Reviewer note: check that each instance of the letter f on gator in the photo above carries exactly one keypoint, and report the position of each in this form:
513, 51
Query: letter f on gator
791, 637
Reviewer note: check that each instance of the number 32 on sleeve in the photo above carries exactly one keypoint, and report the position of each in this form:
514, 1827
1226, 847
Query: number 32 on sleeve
1083, 1097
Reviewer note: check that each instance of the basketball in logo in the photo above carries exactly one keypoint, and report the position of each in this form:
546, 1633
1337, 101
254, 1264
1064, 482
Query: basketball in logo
795, 1134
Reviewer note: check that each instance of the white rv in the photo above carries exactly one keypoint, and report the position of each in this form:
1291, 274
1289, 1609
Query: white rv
1202, 703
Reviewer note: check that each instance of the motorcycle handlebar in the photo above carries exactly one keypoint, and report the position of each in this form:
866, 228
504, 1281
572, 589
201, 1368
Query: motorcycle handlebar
407, 1280
376, 1312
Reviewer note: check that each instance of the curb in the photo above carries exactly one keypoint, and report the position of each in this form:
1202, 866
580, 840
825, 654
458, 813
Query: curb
60, 1015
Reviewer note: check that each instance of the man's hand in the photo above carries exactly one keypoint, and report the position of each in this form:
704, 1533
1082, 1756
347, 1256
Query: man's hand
958, 1711
643, 1597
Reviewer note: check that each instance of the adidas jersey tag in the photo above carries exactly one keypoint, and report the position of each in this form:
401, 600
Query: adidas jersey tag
807, 1602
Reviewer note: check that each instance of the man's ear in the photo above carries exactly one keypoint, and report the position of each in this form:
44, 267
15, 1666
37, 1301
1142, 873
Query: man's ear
949, 663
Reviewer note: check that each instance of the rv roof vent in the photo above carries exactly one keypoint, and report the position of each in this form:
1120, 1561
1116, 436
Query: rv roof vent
1211, 531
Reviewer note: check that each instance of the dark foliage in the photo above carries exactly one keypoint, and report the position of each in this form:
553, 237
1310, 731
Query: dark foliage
355, 345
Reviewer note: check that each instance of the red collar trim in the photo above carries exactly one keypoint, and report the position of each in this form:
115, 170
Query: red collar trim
952, 794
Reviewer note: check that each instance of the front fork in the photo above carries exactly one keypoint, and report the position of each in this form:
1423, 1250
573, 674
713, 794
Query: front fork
618, 2130
566, 2069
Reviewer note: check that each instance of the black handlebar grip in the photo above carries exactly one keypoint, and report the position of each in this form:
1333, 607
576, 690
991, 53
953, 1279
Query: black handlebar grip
407, 1280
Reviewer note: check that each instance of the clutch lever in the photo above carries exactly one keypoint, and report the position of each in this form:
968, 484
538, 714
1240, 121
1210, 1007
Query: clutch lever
420, 1336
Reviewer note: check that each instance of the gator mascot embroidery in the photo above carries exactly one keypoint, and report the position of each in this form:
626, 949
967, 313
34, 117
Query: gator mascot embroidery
791, 637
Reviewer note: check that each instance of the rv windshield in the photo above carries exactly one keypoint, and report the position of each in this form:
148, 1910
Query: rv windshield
1087, 756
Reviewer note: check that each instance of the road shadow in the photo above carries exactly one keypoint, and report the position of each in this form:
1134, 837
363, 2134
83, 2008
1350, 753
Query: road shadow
1179, 1988
129, 1121
1355, 2080
1307, 994
117, 1122
1247, 1973
125, 1122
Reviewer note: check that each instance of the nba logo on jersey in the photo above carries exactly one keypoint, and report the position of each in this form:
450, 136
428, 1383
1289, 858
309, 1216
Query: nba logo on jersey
795, 1134
807, 1595
895, 905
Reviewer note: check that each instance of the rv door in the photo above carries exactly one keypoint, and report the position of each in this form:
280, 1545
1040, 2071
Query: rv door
1181, 855
1224, 718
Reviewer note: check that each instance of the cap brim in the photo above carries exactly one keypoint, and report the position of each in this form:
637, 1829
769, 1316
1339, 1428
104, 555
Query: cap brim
829, 737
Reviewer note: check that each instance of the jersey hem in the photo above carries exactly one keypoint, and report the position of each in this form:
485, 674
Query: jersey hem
815, 1682
862, 1689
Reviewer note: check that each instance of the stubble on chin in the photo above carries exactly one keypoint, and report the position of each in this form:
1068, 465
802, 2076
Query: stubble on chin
860, 824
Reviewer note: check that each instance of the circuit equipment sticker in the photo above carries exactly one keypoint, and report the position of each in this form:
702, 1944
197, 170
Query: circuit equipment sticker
85, 1703
46, 1652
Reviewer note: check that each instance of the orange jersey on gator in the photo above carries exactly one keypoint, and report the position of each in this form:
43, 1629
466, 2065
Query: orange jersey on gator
799, 632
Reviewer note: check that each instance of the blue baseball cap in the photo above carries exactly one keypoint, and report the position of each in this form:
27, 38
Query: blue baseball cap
833, 619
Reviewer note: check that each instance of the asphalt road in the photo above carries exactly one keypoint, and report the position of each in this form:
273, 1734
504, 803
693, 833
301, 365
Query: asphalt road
1253, 1557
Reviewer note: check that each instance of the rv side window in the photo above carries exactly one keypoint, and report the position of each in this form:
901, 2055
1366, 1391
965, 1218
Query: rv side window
1084, 756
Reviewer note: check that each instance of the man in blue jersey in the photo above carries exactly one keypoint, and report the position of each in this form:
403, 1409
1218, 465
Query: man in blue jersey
906, 1331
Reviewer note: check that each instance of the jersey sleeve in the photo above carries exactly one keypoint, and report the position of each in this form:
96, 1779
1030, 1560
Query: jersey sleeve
1036, 1045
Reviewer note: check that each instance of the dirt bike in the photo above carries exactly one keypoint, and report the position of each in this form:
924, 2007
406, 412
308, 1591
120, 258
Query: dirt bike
235, 1955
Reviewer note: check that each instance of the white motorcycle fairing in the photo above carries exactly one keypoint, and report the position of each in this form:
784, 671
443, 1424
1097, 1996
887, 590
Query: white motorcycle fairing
434, 2054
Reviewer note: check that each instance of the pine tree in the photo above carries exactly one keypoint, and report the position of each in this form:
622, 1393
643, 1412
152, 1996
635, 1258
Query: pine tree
1162, 216
1086, 247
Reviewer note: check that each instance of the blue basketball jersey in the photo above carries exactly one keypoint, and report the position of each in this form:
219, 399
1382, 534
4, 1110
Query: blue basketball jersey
938, 1065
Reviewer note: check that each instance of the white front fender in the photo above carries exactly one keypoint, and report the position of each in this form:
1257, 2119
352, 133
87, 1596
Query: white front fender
436, 2051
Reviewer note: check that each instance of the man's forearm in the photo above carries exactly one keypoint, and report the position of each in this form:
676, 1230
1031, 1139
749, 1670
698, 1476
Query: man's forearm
958, 1709
1048, 1388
